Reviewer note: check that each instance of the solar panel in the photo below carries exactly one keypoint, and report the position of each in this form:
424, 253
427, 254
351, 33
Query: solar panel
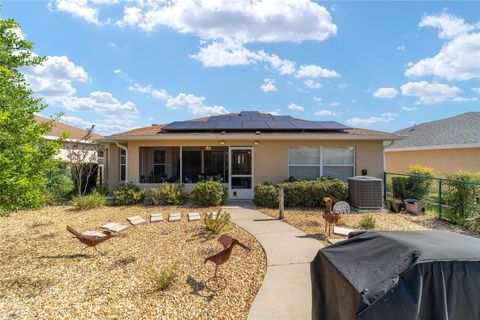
282, 118
203, 125
229, 125
262, 118
304, 124
178, 125
219, 118
249, 113
280, 125
255, 125
332, 125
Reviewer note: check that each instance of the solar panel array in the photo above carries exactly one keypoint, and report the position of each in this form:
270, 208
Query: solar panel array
252, 121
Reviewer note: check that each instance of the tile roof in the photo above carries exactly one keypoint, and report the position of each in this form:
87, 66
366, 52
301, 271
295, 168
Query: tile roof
59, 128
457, 130
154, 130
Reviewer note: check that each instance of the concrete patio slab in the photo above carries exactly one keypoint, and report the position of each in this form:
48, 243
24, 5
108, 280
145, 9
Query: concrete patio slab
155, 217
174, 217
94, 233
136, 220
286, 290
193, 216
114, 226
342, 231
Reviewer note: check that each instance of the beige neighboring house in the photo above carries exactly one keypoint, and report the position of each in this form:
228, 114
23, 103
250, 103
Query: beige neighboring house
446, 145
75, 136
242, 150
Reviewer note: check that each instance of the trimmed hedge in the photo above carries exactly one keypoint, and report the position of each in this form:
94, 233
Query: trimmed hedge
167, 193
209, 193
301, 193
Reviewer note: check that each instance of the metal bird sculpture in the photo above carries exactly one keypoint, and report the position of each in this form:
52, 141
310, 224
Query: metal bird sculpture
88, 240
220, 258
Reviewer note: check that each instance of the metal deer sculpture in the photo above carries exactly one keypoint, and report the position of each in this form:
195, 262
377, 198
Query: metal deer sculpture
220, 258
329, 216
90, 241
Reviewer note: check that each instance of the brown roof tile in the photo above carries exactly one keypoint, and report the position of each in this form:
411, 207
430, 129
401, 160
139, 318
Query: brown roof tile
59, 128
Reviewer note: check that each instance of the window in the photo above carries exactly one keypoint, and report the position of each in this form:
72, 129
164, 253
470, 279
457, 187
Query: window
204, 163
123, 165
159, 165
315, 162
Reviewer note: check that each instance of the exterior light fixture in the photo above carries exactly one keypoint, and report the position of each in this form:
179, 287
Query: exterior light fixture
223, 133
257, 133
208, 148
222, 142
256, 143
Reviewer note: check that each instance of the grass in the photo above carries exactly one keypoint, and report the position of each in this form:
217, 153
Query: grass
126, 260
367, 221
163, 279
90, 201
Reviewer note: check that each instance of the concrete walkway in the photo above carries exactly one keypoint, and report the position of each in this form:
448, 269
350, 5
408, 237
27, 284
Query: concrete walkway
286, 291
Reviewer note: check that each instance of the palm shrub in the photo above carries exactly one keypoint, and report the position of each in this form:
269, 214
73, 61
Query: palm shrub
209, 193
127, 194
214, 223
166, 194
88, 201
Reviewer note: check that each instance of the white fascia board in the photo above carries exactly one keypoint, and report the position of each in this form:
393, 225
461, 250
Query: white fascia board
439, 147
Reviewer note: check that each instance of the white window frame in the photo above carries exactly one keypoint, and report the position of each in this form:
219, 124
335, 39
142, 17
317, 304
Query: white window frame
321, 164
164, 164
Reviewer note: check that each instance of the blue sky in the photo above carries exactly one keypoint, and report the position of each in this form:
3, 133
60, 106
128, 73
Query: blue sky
377, 65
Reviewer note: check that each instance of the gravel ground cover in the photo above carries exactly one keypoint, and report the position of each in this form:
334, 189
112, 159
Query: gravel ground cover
311, 221
44, 277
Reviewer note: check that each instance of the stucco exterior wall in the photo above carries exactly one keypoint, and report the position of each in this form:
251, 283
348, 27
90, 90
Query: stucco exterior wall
446, 160
270, 157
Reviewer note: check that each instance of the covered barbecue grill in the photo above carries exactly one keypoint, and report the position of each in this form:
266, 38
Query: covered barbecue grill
398, 275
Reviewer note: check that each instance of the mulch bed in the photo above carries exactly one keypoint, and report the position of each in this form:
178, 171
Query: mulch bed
310, 221
44, 277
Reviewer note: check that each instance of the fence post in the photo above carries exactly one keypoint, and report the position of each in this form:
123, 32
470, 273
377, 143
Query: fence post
440, 198
384, 186
281, 201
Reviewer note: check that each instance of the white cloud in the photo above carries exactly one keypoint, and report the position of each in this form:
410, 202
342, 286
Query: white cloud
385, 93
344, 85
384, 118
55, 76
429, 92
225, 53
313, 71
325, 112
317, 99
78, 8
409, 109
312, 84
335, 103
295, 107
459, 57
244, 21
402, 48
477, 90
464, 99
183, 101
117, 71
274, 113
268, 85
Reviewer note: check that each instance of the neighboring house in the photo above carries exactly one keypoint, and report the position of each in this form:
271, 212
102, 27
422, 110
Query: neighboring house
75, 137
242, 150
446, 145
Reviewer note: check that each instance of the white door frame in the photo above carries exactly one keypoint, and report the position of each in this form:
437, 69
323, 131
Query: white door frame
242, 194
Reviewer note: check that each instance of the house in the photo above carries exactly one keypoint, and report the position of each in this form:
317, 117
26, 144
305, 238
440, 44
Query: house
242, 150
446, 145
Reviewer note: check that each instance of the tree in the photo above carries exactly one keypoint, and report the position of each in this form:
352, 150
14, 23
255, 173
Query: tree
83, 159
25, 155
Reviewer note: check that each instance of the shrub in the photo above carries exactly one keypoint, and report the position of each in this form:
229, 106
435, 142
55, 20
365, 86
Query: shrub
415, 186
209, 193
463, 193
59, 187
167, 193
310, 193
215, 223
127, 193
367, 221
266, 195
163, 279
88, 201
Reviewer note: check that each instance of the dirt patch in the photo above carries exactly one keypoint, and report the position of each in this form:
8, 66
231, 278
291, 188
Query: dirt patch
45, 277
311, 222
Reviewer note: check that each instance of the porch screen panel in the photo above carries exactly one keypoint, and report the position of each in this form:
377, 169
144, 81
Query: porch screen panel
191, 165
159, 164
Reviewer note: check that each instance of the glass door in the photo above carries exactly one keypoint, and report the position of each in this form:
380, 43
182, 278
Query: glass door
241, 173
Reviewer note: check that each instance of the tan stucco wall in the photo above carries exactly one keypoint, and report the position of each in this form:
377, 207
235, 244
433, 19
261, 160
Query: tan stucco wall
270, 157
447, 160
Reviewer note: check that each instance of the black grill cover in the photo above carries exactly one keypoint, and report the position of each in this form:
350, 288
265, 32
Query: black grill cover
398, 275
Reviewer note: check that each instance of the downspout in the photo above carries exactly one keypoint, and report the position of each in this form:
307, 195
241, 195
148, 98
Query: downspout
387, 145
126, 159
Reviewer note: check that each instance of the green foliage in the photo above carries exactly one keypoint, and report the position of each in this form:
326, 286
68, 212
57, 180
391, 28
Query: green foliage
60, 185
266, 195
127, 194
126, 260
88, 201
163, 279
463, 193
26, 157
301, 193
415, 186
209, 193
167, 193
367, 221
214, 223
